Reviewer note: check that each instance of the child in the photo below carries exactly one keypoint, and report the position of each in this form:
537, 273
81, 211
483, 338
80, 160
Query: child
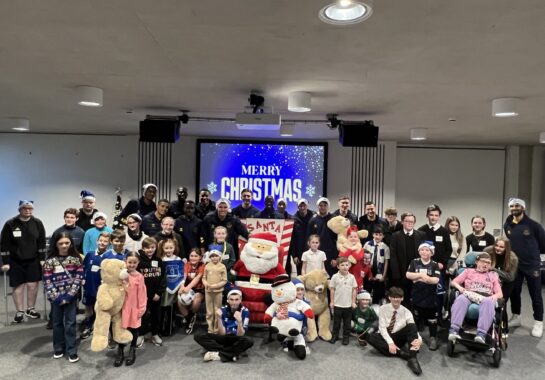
313, 258
173, 269
193, 273
364, 318
134, 307
380, 256
91, 266
300, 294
228, 257
151, 267
214, 279
91, 235
342, 288
118, 251
479, 239
353, 251
63, 274
424, 273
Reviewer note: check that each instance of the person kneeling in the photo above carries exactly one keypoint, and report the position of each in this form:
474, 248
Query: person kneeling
229, 343
397, 329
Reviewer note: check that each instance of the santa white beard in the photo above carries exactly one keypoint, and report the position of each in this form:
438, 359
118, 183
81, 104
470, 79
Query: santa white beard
257, 262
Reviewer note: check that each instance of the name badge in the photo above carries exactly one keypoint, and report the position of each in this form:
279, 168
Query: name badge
482, 243
439, 238
17, 233
423, 270
95, 268
154, 263
254, 279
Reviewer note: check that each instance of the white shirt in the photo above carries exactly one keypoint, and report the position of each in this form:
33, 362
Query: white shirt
403, 318
314, 260
343, 286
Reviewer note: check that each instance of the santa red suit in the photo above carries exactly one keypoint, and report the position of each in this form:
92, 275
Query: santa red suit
255, 272
355, 255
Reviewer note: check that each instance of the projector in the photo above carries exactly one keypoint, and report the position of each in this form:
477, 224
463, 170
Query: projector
259, 121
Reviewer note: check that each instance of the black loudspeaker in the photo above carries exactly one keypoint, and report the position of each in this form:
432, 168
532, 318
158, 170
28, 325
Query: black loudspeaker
160, 130
358, 134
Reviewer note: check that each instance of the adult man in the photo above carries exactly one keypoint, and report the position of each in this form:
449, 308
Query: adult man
176, 207
142, 206
299, 235
230, 342
269, 212
245, 209
403, 249
281, 206
318, 225
151, 223
206, 205
371, 220
22, 247
527, 240
70, 226
222, 217
344, 210
390, 214
87, 210
190, 228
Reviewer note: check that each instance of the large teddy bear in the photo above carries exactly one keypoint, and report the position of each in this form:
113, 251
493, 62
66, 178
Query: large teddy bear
110, 297
316, 283
287, 314
255, 272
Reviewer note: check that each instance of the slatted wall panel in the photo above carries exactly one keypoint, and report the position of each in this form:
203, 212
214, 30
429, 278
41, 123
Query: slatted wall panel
155, 166
367, 179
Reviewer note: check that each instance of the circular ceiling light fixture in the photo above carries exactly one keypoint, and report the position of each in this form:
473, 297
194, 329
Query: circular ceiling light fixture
299, 101
504, 107
89, 96
418, 134
346, 12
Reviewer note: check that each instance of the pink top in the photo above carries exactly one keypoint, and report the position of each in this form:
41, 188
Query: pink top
135, 302
484, 283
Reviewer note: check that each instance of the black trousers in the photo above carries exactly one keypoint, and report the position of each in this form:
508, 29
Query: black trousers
344, 315
402, 337
533, 280
377, 290
151, 321
228, 346
507, 289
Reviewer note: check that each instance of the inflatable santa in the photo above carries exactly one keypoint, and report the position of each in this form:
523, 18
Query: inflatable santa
255, 272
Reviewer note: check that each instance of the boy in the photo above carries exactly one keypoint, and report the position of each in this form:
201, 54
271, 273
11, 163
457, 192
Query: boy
313, 258
91, 267
91, 235
118, 251
70, 226
220, 244
424, 273
380, 256
214, 279
396, 329
343, 299
364, 318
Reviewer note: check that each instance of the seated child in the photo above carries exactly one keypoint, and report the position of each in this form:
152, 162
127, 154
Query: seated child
364, 318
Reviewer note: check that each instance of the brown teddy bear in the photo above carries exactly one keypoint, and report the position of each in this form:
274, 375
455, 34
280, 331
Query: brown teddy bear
110, 298
315, 291
339, 224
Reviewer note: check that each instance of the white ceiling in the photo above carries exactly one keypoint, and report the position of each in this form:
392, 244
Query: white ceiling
413, 64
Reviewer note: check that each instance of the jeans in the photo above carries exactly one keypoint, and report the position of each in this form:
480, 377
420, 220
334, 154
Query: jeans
64, 327
534, 287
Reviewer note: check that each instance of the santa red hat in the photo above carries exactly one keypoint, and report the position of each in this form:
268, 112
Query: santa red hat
267, 238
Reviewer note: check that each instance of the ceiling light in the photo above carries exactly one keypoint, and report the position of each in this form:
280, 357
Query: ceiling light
504, 107
542, 137
418, 134
89, 96
20, 125
346, 12
286, 129
299, 101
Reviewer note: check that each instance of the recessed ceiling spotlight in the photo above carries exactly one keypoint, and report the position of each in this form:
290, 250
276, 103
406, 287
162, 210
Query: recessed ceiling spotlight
20, 125
418, 134
542, 137
89, 96
346, 12
299, 101
505, 107
287, 129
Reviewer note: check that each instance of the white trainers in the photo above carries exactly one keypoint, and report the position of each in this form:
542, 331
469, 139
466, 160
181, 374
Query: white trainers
537, 330
515, 321
140, 341
211, 356
156, 339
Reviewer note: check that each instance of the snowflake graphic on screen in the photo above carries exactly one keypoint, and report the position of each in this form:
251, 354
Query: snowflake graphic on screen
310, 190
212, 187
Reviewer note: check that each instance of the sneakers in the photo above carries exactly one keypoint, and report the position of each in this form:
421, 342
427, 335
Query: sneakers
19, 317
86, 333
32, 313
480, 338
212, 356
156, 339
433, 344
58, 355
191, 324
453, 334
537, 330
140, 341
73, 358
515, 321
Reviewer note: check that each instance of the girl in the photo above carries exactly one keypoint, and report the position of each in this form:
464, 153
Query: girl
505, 264
134, 235
134, 307
479, 239
173, 265
353, 251
458, 242
193, 273
63, 275
313, 258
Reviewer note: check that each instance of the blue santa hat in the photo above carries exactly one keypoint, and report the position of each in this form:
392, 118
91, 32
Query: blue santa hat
234, 290
298, 283
25, 203
87, 195
427, 244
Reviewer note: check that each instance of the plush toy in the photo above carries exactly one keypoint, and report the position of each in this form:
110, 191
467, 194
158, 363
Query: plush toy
316, 283
339, 224
255, 271
110, 298
287, 313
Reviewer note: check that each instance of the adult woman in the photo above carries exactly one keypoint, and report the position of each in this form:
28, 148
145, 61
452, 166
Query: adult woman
504, 263
134, 236
479, 239
480, 286
458, 242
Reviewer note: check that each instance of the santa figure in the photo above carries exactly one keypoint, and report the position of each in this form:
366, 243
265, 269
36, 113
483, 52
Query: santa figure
255, 272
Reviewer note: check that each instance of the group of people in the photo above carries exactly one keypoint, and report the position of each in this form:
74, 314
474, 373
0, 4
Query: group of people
411, 268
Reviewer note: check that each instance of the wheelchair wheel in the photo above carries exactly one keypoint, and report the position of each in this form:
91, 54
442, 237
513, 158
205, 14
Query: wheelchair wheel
450, 348
496, 357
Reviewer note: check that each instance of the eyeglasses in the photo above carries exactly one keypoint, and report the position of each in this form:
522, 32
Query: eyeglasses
485, 262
